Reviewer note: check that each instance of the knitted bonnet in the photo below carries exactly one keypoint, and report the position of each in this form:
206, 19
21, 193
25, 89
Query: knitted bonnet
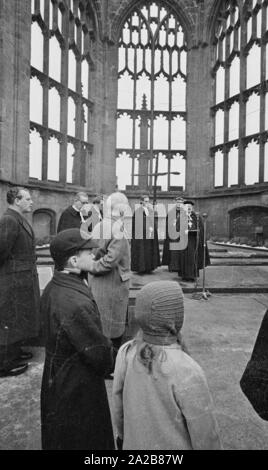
159, 311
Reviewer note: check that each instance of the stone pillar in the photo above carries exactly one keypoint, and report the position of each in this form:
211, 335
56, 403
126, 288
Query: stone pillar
105, 124
15, 38
199, 164
145, 154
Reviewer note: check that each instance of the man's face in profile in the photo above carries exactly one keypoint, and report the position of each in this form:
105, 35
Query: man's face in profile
146, 202
24, 202
81, 202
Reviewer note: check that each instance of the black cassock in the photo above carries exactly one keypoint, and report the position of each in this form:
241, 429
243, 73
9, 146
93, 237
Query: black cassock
170, 257
145, 250
70, 218
187, 262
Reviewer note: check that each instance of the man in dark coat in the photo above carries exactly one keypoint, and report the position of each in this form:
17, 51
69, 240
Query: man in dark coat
19, 286
144, 243
73, 216
170, 257
254, 382
191, 259
75, 412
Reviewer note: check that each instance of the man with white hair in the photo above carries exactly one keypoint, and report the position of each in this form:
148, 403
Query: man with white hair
111, 269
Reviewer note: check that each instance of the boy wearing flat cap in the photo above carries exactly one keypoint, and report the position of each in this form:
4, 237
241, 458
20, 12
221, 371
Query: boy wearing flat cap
74, 406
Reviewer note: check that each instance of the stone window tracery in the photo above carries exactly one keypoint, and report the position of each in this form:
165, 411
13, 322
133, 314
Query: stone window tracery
240, 94
151, 113
62, 64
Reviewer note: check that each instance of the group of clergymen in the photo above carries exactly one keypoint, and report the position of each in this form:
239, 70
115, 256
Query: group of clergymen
187, 260
145, 254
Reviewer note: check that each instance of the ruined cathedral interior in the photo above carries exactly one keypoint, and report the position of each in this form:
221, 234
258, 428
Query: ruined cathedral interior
158, 96
164, 98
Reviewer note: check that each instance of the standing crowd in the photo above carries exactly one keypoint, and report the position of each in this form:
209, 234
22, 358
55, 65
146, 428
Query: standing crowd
160, 397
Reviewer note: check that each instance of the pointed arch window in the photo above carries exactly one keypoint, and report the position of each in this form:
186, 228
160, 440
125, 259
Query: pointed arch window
151, 113
62, 66
240, 98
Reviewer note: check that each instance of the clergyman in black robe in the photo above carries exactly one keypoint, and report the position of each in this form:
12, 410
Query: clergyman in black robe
144, 243
72, 216
170, 256
191, 259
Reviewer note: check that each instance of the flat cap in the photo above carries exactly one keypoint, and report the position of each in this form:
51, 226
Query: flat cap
69, 241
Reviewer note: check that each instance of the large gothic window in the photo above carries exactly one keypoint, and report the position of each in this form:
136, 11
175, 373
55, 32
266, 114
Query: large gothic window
240, 108
151, 115
62, 40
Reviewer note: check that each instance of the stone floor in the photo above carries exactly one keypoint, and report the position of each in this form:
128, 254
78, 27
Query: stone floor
219, 333
219, 278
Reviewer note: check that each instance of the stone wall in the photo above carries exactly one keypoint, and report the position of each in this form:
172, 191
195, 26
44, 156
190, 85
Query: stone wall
15, 21
197, 18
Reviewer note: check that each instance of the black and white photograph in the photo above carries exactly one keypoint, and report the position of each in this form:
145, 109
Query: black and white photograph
134, 229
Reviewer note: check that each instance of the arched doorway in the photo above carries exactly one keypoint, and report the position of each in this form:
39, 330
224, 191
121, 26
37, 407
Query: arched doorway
44, 224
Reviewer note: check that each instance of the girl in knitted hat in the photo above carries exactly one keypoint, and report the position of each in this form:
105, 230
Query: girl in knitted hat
161, 398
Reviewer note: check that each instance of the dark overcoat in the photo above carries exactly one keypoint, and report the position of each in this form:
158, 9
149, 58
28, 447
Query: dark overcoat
19, 286
145, 255
70, 218
75, 413
169, 257
187, 262
254, 382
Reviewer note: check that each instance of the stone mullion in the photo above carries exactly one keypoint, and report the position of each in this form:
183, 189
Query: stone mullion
151, 143
134, 116
55, 17
225, 167
90, 109
64, 102
45, 136
169, 109
254, 26
78, 126
242, 102
79, 111
152, 112
88, 120
82, 163
226, 111
89, 87
80, 154
216, 51
263, 111
169, 167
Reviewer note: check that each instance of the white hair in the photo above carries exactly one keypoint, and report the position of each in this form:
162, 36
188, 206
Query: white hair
116, 203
